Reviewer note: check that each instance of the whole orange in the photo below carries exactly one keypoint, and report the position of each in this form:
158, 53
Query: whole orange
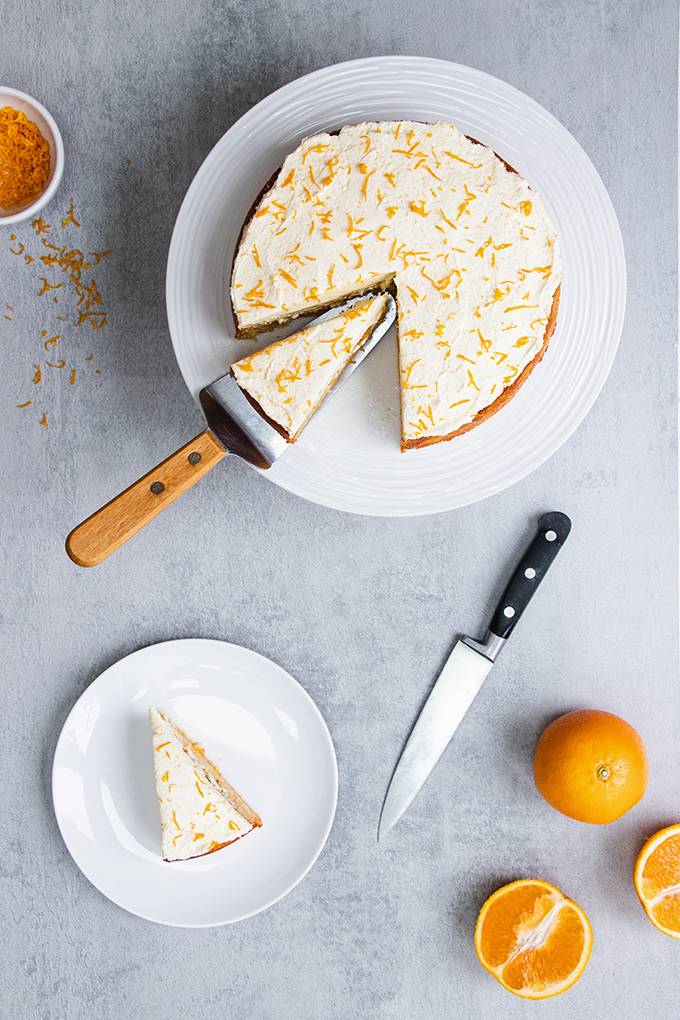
591, 766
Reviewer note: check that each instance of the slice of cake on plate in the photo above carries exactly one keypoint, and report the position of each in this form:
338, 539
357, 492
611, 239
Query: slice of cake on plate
290, 378
200, 811
464, 240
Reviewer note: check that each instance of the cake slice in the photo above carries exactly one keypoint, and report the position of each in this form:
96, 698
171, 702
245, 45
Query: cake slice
200, 811
289, 379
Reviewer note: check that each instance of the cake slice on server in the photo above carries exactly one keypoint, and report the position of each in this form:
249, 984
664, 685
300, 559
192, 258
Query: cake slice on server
289, 379
253, 411
200, 811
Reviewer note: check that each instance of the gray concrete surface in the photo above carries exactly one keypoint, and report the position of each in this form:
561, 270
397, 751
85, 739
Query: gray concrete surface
362, 611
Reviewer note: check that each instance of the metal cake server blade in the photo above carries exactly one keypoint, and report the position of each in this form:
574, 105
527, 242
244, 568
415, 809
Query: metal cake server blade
235, 426
243, 430
465, 671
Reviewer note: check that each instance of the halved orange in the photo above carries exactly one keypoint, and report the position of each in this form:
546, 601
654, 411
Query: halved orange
533, 939
657, 880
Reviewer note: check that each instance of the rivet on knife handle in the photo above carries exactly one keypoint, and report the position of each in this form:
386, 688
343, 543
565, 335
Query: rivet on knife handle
553, 531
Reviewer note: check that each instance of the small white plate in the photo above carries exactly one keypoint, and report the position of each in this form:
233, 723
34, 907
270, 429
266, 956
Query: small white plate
255, 722
348, 456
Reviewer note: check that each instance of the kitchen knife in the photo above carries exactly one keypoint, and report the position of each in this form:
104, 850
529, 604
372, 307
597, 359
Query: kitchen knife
467, 667
234, 426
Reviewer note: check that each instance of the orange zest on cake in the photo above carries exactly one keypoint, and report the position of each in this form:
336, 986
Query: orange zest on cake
464, 240
289, 379
200, 811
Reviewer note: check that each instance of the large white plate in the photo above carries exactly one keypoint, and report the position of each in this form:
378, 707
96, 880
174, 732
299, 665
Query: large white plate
255, 722
349, 456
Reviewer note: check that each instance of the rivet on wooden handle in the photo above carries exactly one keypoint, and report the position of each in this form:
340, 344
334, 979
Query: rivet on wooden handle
110, 527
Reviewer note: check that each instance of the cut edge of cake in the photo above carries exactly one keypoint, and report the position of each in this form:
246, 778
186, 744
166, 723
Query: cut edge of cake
380, 283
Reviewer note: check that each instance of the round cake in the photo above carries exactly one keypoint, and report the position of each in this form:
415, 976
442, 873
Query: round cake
459, 235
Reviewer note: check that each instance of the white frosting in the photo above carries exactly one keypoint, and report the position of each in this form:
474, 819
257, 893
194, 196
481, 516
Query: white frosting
473, 253
290, 378
196, 815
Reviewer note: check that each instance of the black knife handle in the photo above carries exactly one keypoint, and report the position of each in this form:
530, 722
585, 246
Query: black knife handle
553, 531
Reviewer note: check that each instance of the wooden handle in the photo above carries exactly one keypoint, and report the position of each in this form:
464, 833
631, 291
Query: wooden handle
107, 529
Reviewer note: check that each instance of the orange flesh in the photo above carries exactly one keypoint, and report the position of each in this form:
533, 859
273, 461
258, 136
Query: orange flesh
662, 868
533, 939
511, 918
659, 883
667, 911
554, 959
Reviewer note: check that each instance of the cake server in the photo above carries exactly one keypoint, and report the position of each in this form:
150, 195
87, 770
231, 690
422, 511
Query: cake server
467, 667
235, 427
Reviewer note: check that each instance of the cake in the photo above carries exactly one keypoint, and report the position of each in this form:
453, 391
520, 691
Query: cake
289, 379
440, 218
200, 811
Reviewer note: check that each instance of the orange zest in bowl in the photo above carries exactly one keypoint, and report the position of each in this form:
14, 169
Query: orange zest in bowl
533, 939
24, 159
657, 880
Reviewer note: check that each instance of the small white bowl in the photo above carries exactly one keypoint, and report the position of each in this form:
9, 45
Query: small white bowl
44, 120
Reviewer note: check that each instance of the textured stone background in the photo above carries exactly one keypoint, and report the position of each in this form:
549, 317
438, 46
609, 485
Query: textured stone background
362, 611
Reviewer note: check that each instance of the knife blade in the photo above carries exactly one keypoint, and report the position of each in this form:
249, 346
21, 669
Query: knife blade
465, 671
